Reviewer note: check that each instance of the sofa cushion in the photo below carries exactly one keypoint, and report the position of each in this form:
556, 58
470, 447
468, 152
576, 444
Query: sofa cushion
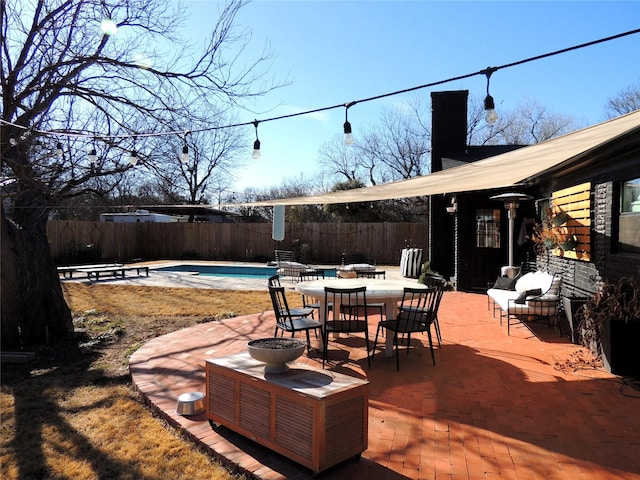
288, 268
522, 296
505, 283
358, 267
554, 288
502, 297
541, 280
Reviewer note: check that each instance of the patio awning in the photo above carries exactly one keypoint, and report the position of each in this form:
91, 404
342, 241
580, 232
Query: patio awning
512, 169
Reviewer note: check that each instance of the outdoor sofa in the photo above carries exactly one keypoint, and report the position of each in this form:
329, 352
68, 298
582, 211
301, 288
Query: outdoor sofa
533, 296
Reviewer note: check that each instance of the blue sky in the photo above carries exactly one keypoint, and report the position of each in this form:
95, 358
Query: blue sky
335, 52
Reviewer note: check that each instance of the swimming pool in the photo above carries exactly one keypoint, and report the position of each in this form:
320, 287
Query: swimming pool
235, 271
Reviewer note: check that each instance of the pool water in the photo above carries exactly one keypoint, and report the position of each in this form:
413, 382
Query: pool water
239, 271
234, 271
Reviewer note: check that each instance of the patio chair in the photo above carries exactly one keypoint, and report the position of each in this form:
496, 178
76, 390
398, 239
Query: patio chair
371, 274
286, 265
440, 283
274, 281
306, 300
352, 263
287, 320
347, 315
375, 274
417, 312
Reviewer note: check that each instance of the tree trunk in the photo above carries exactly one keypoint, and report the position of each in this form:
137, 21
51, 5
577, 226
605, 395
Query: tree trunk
34, 311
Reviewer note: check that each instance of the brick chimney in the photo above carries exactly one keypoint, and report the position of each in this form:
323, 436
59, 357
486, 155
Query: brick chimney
448, 126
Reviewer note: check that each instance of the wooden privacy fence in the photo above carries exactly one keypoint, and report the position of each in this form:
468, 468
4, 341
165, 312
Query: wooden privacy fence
80, 242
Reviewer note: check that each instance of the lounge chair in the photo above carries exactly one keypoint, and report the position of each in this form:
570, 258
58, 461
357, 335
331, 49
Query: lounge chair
353, 263
287, 267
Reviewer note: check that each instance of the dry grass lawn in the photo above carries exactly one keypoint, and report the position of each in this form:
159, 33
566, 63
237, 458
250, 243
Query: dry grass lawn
72, 412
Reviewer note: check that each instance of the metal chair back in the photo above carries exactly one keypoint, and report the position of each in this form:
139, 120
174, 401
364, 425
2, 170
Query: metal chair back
372, 274
308, 276
345, 312
281, 308
417, 309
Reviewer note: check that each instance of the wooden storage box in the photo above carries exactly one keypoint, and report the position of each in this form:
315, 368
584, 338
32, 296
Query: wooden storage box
315, 417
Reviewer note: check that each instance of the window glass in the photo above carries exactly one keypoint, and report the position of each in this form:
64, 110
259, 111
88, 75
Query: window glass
629, 224
630, 193
488, 228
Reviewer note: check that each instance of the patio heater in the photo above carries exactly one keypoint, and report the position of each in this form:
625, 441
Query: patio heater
511, 202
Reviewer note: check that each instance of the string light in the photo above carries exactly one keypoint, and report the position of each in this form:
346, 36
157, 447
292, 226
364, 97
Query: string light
133, 159
256, 144
108, 27
489, 102
93, 155
185, 153
185, 148
348, 138
59, 149
489, 106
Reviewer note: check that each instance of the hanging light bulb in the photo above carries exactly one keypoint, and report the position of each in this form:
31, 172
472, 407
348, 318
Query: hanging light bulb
59, 149
133, 159
185, 148
490, 114
13, 142
348, 138
108, 26
256, 144
93, 155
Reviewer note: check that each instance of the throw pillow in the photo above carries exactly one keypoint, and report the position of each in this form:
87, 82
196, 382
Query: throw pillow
522, 297
505, 283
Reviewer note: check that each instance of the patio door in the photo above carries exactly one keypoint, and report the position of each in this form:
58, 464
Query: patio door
488, 252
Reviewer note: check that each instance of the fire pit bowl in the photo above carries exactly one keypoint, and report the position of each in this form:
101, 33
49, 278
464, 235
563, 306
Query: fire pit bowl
276, 352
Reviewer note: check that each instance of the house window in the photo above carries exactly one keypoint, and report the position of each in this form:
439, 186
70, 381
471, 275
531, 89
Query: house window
488, 228
629, 224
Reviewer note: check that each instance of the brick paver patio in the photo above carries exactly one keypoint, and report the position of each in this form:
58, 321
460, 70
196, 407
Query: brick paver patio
494, 406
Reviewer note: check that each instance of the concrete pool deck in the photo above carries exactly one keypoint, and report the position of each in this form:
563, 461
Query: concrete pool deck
159, 278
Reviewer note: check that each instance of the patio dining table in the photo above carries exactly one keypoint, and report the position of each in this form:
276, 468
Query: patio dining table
388, 292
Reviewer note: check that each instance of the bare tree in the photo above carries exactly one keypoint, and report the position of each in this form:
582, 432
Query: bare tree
340, 160
70, 87
626, 100
528, 124
396, 148
195, 172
